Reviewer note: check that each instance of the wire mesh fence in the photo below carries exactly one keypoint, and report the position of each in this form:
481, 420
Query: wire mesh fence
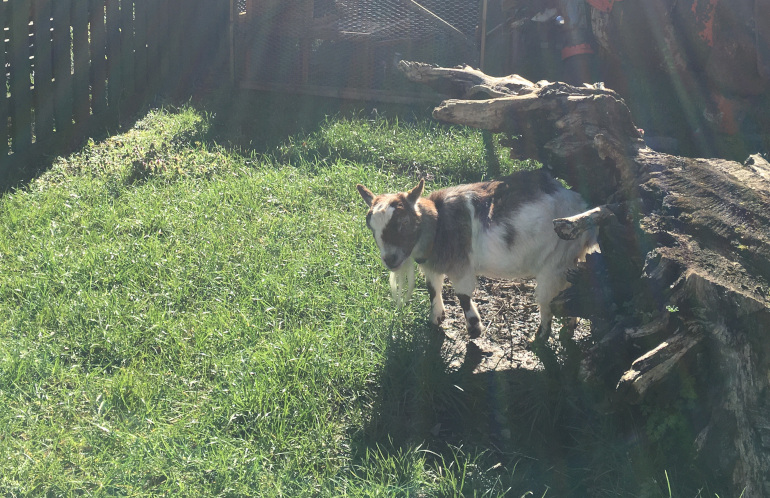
351, 43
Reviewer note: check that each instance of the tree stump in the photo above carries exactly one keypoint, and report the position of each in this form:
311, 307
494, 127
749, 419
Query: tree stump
680, 293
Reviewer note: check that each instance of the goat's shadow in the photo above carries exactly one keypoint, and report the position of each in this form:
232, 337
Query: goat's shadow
426, 400
537, 429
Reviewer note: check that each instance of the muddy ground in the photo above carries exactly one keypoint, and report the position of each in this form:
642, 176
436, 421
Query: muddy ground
510, 315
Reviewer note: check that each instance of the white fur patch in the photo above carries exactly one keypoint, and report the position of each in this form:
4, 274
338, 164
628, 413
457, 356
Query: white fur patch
536, 247
405, 272
381, 215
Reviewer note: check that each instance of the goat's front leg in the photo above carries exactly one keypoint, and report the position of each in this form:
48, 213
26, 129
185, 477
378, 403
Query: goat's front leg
435, 283
464, 287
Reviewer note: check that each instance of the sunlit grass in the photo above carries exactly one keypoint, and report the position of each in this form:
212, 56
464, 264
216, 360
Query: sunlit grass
443, 154
178, 319
181, 316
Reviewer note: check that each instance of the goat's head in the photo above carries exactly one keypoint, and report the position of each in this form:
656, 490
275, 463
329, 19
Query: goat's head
395, 223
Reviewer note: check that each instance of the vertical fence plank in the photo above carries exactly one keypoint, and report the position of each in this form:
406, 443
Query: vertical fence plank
161, 40
152, 15
20, 71
62, 67
98, 58
157, 29
81, 60
127, 45
114, 73
140, 42
43, 49
177, 13
65, 60
231, 39
4, 103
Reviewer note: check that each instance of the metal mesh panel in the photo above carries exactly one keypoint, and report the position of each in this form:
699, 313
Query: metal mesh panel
376, 19
384, 20
353, 43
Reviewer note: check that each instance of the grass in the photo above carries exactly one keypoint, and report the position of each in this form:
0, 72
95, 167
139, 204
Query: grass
184, 314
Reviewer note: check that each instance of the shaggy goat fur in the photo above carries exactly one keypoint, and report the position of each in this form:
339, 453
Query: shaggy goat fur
501, 228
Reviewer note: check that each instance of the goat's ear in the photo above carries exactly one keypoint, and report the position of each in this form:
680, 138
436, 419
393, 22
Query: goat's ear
366, 194
416, 192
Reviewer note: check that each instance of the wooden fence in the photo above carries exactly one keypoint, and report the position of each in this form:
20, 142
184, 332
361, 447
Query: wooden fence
72, 66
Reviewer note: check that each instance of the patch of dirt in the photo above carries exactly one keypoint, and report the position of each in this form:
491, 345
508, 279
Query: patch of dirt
510, 315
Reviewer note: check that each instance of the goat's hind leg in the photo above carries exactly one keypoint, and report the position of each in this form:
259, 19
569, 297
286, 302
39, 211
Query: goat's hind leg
543, 332
548, 287
567, 331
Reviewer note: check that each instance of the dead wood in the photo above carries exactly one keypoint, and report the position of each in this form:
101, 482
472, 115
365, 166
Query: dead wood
463, 82
556, 123
653, 366
570, 228
684, 268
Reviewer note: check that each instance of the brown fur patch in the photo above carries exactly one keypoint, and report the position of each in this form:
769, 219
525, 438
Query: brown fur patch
520, 188
452, 242
492, 202
402, 230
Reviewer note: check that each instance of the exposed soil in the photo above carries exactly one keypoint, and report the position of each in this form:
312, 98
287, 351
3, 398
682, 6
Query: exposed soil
510, 315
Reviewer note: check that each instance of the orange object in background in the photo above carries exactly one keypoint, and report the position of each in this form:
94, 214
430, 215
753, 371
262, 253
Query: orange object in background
603, 5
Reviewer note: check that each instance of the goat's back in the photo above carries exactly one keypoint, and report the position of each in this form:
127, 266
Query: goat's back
504, 228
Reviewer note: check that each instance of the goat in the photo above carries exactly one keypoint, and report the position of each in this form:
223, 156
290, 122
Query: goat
501, 228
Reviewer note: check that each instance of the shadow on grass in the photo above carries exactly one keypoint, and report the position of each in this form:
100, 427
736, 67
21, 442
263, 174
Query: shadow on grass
528, 431
255, 121
289, 129
312, 131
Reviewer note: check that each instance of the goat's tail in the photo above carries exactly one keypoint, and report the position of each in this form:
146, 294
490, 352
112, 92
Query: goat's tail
406, 271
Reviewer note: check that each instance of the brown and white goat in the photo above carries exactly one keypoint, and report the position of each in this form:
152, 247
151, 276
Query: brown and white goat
500, 228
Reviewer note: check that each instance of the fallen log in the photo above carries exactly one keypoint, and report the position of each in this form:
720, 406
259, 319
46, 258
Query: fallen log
682, 282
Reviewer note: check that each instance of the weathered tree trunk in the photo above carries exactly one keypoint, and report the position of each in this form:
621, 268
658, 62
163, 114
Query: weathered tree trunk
680, 294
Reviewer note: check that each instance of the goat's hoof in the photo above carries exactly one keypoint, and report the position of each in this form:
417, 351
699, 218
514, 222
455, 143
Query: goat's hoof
537, 340
541, 335
475, 332
437, 321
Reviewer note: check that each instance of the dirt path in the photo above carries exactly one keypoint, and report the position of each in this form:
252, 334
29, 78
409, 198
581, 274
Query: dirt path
509, 312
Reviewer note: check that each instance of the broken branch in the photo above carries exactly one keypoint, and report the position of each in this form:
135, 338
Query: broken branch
570, 228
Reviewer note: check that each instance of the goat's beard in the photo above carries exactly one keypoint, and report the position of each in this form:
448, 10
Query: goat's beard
397, 277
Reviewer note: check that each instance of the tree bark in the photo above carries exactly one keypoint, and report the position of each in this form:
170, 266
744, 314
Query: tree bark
682, 282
